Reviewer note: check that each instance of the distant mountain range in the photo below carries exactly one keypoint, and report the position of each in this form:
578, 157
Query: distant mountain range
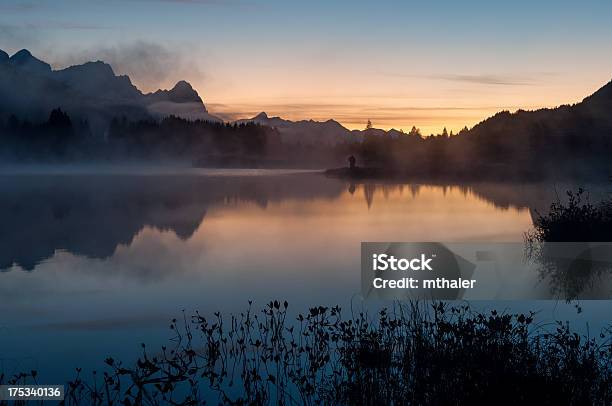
30, 88
591, 117
310, 132
328, 132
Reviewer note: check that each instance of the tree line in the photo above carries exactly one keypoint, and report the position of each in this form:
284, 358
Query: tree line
503, 146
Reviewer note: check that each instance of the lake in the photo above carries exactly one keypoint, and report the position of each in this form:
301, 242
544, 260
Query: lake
95, 262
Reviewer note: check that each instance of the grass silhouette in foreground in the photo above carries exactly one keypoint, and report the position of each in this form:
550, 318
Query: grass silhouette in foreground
412, 353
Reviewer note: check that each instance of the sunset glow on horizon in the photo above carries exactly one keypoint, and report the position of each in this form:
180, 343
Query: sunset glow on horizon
395, 63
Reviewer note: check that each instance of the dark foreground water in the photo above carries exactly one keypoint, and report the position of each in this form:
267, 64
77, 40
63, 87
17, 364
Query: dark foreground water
93, 264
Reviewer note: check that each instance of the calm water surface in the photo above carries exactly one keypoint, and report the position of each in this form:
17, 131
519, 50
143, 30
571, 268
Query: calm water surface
94, 264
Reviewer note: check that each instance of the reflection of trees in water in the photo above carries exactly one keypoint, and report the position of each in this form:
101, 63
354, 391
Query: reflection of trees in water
352, 188
92, 215
559, 242
572, 268
569, 270
370, 190
503, 196
368, 193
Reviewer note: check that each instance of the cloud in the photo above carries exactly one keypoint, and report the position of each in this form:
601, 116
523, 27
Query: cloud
18, 7
33, 36
59, 25
203, 2
149, 65
215, 2
51, 25
484, 78
488, 79
243, 5
17, 38
77, 26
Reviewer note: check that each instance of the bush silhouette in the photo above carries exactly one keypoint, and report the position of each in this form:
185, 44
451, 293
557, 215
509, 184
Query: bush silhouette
412, 353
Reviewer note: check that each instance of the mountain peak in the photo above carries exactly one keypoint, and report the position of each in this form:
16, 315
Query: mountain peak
261, 116
3, 56
182, 100
183, 85
99, 66
24, 53
182, 92
98, 70
90, 91
332, 121
25, 60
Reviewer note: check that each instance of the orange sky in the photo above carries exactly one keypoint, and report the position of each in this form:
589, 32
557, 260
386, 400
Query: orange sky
397, 63
391, 102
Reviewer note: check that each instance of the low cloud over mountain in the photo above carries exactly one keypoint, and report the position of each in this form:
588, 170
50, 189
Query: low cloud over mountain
30, 89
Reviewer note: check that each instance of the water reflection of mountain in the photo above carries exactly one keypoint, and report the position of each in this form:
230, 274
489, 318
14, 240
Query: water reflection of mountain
92, 215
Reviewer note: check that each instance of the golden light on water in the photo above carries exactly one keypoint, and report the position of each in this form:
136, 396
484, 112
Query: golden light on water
292, 231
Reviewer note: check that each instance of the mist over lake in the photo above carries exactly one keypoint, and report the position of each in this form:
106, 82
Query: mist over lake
95, 263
